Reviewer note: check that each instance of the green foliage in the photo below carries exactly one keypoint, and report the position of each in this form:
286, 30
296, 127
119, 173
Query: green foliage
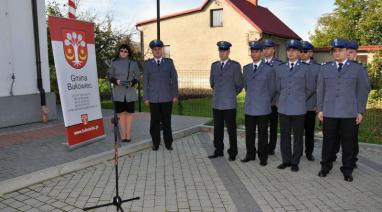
357, 20
375, 70
104, 87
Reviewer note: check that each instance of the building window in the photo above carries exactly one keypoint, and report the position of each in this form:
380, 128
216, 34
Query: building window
217, 18
167, 51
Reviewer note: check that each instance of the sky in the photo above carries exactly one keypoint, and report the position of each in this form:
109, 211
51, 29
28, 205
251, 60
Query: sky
300, 15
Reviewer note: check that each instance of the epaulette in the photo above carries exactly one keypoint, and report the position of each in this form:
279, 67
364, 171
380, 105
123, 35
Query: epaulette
216, 62
233, 61
166, 58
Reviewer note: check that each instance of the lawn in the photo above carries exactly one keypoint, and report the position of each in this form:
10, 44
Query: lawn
370, 129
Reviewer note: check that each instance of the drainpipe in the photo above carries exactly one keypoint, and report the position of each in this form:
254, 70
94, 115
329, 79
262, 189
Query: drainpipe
44, 108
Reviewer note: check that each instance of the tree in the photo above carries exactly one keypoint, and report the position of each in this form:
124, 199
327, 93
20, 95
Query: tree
357, 20
375, 70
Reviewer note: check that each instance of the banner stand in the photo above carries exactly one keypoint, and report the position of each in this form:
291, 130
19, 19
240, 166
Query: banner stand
73, 46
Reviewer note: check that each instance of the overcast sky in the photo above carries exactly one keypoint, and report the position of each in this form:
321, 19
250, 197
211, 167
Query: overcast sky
301, 16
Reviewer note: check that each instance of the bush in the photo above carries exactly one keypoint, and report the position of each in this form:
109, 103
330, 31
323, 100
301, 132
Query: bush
375, 70
375, 96
104, 88
194, 93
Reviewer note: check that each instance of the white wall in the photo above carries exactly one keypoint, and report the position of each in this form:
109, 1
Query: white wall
17, 52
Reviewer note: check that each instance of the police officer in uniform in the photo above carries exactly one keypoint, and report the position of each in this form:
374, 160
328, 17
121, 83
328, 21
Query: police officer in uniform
342, 92
160, 90
259, 84
295, 84
226, 81
269, 59
352, 48
311, 102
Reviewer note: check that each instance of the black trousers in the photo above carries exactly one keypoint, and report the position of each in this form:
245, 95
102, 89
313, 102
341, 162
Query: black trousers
337, 146
289, 125
273, 126
310, 122
334, 128
250, 136
161, 113
229, 118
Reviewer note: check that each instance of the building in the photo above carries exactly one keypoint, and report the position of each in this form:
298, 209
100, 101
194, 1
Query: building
19, 93
191, 36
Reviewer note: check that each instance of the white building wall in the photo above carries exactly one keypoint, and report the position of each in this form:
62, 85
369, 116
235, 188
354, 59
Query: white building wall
17, 51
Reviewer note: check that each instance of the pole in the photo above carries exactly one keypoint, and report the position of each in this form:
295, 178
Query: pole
44, 108
72, 9
158, 19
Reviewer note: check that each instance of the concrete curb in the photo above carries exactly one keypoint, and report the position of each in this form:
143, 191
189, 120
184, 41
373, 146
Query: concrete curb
49, 173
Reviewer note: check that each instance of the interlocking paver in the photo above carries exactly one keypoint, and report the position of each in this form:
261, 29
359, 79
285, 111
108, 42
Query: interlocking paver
186, 180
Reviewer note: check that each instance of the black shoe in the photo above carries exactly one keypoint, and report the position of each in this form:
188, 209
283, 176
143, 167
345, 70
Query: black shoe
310, 157
124, 140
215, 156
348, 178
263, 163
247, 159
155, 148
169, 148
283, 165
322, 173
294, 168
232, 158
271, 152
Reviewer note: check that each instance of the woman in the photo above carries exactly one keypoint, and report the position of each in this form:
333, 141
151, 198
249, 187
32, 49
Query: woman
124, 75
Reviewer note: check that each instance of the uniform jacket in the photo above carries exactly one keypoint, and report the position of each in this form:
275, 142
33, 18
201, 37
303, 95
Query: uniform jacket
314, 68
293, 88
260, 89
226, 84
274, 63
342, 94
160, 83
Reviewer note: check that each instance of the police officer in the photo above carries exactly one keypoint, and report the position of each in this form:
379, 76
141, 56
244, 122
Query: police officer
294, 85
342, 91
352, 48
269, 59
311, 102
160, 90
226, 81
259, 84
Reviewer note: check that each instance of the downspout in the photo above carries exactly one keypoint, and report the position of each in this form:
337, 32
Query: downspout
44, 108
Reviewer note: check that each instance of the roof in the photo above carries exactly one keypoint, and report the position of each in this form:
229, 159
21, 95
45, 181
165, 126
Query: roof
366, 48
261, 18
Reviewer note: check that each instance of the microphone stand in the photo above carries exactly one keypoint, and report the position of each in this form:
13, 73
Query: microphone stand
117, 200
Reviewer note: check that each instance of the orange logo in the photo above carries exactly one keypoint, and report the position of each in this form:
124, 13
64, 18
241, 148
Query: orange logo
84, 119
75, 48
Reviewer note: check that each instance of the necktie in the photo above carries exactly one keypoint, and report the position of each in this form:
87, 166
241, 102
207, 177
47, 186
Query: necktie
267, 62
158, 62
340, 67
221, 68
291, 66
254, 68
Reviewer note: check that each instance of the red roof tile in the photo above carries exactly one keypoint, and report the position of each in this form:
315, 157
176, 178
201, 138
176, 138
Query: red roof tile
260, 17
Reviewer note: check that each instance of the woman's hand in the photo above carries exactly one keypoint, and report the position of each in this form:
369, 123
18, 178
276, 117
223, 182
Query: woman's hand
147, 103
118, 82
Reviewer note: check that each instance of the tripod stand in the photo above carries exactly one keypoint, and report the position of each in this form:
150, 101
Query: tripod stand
117, 201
